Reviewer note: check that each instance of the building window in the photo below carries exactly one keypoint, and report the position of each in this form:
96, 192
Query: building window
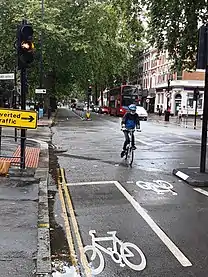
191, 103
162, 102
190, 100
200, 102
179, 75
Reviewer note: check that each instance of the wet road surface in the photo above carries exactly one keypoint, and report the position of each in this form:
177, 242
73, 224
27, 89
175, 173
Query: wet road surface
161, 217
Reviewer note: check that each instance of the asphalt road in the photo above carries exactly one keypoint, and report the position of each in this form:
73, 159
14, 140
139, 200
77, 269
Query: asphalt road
163, 219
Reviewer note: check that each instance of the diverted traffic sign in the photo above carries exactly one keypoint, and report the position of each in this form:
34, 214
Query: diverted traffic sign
18, 118
7, 76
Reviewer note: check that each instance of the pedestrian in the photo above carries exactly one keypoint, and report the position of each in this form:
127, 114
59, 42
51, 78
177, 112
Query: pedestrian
180, 113
160, 110
49, 112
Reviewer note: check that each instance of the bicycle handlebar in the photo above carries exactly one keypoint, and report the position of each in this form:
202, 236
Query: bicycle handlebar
131, 130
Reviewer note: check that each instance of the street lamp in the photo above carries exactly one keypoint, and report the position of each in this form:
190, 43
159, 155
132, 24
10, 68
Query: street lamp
41, 45
168, 93
196, 96
167, 113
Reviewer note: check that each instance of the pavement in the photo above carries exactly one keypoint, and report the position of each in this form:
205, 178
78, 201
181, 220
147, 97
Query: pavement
173, 120
161, 218
21, 209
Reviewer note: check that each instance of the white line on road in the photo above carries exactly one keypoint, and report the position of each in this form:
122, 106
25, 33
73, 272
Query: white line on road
202, 191
76, 114
143, 142
91, 183
165, 239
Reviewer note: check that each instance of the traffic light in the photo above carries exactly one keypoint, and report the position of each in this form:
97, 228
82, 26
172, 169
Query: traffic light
196, 94
25, 46
89, 90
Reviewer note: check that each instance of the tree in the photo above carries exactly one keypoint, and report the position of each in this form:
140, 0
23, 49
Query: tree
173, 26
82, 40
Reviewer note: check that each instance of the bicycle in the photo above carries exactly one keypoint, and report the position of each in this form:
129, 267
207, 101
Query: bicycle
129, 155
119, 257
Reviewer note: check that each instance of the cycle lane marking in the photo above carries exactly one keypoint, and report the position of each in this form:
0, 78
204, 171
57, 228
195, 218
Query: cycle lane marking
177, 253
122, 256
183, 260
158, 186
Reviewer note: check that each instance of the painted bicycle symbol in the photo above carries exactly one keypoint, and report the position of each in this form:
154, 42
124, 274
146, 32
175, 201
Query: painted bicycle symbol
158, 186
119, 257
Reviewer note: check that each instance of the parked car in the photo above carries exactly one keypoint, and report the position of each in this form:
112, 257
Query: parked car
142, 113
80, 106
85, 108
95, 109
104, 110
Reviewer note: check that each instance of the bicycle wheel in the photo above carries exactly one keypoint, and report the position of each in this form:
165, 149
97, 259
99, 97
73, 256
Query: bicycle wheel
137, 267
95, 252
131, 157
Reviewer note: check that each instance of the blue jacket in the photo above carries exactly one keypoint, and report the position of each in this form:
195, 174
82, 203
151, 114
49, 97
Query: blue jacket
131, 121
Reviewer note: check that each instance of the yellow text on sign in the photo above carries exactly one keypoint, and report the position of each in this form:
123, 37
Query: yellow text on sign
18, 118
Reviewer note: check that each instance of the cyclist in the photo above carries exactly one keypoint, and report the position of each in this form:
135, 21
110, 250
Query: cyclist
130, 121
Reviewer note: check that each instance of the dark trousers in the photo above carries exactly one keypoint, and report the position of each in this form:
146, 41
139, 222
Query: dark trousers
127, 139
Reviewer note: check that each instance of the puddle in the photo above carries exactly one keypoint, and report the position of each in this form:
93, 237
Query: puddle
63, 269
59, 245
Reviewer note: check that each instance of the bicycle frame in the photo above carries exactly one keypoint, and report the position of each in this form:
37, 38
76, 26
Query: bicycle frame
110, 251
129, 149
120, 257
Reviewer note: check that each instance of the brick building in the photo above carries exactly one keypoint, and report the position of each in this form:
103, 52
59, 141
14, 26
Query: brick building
157, 72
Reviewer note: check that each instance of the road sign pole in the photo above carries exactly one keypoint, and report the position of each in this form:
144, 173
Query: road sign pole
15, 99
23, 107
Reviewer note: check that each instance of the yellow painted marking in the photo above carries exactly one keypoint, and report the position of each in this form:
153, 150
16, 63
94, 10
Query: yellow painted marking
18, 118
43, 225
83, 258
67, 226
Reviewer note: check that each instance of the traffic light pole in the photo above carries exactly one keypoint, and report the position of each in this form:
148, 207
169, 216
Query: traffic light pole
196, 102
205, 111
204, 124
23, 107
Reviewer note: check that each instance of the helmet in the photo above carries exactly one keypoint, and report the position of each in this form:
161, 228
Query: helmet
132, 107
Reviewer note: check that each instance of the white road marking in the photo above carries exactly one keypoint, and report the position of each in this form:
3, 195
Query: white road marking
158, 186
202, 191
77, 114
182, 175
91, 183
143, 142
164, 238
121, 256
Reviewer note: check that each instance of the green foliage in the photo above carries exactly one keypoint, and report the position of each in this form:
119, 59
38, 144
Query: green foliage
174, 26
83, 40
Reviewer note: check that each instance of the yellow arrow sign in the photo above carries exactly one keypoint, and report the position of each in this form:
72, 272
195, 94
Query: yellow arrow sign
18, 118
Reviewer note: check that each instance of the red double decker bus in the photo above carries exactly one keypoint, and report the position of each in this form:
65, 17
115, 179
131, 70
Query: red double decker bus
119, 98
